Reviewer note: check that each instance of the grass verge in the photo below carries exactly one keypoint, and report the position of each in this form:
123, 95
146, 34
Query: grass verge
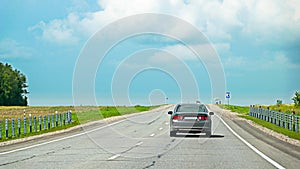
80, 115
243, 112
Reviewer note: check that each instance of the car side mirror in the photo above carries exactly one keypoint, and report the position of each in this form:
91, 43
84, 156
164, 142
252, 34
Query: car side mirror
211, 113
170, 112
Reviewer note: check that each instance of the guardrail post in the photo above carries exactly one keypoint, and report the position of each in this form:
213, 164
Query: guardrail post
0, 130
34, 123
67, 117
285, 121
274, 117
291, 122
277, 118
281, 119
40, 122
48, 121
52, 120
56, 119
6, 128
70, 116
45, 122
288, 121
13, 127
30, 123
297, 123
19, 126
273, 114
25, 127
61, 120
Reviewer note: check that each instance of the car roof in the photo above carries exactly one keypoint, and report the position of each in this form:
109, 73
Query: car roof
190, 104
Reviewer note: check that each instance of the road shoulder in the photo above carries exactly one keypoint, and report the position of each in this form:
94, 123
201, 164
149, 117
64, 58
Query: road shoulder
281, 151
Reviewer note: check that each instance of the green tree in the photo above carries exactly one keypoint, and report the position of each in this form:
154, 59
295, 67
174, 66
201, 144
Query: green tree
278, 103
296, 99
13, 87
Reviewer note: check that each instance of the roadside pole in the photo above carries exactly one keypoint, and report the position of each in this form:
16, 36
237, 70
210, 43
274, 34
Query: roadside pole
227, 96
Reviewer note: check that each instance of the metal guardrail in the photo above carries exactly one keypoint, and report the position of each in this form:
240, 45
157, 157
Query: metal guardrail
284, 120
11, 128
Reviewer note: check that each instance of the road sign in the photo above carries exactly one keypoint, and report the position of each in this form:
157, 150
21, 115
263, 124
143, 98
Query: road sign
227, 95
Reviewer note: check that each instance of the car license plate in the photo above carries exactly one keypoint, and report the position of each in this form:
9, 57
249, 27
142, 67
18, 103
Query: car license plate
190, 118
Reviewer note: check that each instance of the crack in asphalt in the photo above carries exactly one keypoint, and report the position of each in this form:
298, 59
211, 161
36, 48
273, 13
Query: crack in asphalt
151, 165
33, 156
159, 156
16, 161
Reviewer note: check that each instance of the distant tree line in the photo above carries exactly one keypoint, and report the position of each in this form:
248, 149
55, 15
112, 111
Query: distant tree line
13, 86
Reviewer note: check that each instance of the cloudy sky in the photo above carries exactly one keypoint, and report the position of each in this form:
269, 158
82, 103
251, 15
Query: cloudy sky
257, 43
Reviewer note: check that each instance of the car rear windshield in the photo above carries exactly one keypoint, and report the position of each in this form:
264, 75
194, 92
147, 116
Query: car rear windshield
191, 108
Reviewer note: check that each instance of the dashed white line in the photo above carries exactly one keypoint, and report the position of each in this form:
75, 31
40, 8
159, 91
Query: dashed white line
160, 128
166, 123
153, 134
114, 157
139, 143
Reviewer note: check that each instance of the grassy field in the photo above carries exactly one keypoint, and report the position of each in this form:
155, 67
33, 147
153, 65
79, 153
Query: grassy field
80, 115
243, 112
18, 111
286, 108
97, 113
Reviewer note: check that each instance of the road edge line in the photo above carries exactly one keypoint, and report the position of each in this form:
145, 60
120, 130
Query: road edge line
60, 139
274, 163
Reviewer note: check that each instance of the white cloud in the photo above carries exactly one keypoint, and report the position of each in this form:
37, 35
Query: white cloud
259, 19
271, 60
206, 52
273, 21
59, 31
279, 59
10, 48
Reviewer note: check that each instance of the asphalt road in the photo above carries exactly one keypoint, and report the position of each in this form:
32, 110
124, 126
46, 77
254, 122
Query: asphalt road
143, 141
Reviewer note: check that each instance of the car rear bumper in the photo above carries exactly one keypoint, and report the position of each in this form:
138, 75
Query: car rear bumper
194, 126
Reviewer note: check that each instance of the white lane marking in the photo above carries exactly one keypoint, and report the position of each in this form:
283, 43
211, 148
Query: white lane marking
114, 157
274, 163
160, 128
166, 123
118, 155
139, 143
153, 134
65, 138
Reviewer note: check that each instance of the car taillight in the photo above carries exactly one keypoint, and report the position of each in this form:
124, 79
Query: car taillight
202, 117
176, 117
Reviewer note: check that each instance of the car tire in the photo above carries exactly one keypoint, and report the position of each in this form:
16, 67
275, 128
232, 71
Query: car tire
172, 133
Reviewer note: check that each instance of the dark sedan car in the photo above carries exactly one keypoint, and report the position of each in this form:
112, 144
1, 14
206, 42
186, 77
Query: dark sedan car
190, 118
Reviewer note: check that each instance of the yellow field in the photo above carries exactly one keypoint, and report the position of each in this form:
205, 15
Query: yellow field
18, 111
286, 108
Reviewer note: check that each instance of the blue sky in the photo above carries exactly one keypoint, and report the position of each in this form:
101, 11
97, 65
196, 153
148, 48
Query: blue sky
257, 41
